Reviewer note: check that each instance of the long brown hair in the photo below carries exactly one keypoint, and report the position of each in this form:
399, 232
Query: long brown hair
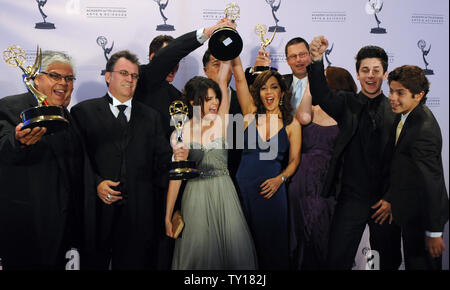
285, 107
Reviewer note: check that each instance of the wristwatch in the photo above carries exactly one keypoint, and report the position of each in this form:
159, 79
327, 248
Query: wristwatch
283, 178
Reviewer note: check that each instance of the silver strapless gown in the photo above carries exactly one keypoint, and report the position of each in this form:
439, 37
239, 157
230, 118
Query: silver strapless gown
216, 235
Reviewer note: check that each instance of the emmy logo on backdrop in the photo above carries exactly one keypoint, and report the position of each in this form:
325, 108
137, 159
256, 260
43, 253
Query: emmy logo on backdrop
422, 44
275, 9
327, 53
374, 7
45, 24
261, 31
43, 115
165, 26
102, 42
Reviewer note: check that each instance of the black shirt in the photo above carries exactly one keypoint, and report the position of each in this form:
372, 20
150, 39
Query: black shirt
362, 157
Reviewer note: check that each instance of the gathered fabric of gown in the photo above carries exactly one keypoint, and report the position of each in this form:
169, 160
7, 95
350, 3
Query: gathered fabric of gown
309, 213
215, 235
267, 218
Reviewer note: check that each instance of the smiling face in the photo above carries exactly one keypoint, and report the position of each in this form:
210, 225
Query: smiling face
270, 94
298, 59
122, 87
402, 100
58, 92
371, 76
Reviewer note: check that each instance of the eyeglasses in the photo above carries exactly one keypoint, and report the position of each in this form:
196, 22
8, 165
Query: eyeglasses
57, 77
300, 55
125, 73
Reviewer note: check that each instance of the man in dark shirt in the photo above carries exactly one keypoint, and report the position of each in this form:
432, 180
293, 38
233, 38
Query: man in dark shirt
354, 175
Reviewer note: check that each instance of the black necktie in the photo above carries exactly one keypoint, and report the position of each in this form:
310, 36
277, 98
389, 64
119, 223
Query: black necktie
121, 117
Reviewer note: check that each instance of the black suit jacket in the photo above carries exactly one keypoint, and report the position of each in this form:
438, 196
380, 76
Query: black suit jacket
40, 196
147, 155
416, 186
345, 108
152, 88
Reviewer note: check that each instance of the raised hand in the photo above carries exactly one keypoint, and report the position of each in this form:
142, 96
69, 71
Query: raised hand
263, 58
317, 47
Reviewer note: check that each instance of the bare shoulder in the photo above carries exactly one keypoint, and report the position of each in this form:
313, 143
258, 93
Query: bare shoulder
294, 126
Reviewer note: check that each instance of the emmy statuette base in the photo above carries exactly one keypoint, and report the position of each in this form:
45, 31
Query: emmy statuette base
225, 44
182, 170
50, 117
45, 25
165, 27
279, 29
378, 30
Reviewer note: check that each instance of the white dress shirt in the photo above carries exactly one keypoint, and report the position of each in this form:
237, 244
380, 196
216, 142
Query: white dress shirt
115, 110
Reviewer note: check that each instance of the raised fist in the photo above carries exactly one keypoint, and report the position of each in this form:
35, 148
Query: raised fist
317, 47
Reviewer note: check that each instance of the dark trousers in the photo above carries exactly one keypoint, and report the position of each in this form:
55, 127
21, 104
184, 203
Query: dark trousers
119, 245
415, 252
349, 221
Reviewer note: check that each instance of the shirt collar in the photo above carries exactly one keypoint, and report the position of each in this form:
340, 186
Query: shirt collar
295, 80
116, 102
404, 116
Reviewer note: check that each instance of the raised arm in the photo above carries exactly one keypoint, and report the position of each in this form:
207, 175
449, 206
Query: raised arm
224, 71
244, 96
169, 56
332, 103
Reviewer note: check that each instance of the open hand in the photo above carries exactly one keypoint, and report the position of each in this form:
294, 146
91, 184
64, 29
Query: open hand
384, 211
29, 136
270, 186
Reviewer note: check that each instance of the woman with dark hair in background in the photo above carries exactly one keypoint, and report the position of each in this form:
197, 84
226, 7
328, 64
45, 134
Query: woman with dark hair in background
309, 213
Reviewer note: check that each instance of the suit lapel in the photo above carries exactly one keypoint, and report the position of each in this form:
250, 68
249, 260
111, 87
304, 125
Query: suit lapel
288, 81
107, 119
133, 124
388, 120
412, 118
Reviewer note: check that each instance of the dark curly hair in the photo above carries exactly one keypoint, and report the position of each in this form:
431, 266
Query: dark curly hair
372, 51
412, 78
285, 108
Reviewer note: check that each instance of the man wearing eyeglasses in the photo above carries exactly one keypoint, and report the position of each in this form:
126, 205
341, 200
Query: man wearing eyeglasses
129, 153
298, 59
40, 176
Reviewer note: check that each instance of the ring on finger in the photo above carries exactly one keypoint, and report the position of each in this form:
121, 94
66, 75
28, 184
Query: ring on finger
108, 197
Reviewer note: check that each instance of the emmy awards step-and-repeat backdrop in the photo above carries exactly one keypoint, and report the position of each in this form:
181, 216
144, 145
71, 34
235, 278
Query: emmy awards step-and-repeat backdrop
411, 31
